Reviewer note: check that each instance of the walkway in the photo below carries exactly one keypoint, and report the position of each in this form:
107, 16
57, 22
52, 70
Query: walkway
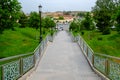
63, 60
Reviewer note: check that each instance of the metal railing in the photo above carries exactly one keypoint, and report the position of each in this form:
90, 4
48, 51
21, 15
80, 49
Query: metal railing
109, 66
12, 68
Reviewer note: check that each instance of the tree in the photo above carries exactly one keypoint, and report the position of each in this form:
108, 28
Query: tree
87, 23
23, 21
48, 22
81, 14
61, 18
9, 10
66, 12
34, 20
117, 18
75, 26
102, 11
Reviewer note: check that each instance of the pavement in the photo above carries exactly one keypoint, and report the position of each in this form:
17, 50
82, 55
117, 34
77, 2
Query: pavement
63, 60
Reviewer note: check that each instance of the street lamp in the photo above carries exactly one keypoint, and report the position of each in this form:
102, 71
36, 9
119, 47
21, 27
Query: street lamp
40, 11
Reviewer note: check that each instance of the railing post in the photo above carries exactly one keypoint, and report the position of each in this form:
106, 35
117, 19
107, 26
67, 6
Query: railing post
83, 45
40, 50
87, 50
1, 73
107, 66
34, 58
80, 41
93, 59
21, 66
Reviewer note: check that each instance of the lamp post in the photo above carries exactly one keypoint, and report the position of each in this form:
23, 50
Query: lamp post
40, 11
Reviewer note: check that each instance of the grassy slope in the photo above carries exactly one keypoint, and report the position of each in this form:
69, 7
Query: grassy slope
21, 41
108, 45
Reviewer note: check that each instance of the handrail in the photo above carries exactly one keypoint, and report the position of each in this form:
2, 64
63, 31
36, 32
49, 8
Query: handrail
108, 56
108, 66
9, 58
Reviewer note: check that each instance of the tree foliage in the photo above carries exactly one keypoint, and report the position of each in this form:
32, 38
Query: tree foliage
48, 22
61, 18
9, 14
106, 13
87, 23
81, 14
66, 12
102, 14
75, 26
34, 20
117, 18
23, 21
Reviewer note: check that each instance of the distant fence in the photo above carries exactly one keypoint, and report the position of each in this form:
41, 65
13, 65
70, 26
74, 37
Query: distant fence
12, 68
109, 66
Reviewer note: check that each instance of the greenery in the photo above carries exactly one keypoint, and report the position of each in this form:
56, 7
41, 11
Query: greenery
23, 21
103, 44
87, 23
81, 14
48, 22
20, 41
103, 12
66, 12
84, 24
117, 18
61, 18
9, 14
75, 26
34, 20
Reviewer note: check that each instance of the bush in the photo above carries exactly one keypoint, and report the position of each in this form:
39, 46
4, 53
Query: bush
100, 38
82, 33
106, 31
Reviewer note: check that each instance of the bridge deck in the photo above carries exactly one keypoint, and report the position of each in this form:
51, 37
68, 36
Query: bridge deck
63, 60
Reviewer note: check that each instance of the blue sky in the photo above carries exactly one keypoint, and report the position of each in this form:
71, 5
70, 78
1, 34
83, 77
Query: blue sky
57, 5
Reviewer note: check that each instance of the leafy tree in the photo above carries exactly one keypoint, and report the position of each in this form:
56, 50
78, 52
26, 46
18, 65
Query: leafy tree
87, 23
34, 20
48, 22
61, 18
75, 26
66, 12
117, 18
102, 14
23, 20
81, 14
9, 10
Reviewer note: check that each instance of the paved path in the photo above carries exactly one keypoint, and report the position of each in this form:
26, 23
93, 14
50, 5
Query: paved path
63, 60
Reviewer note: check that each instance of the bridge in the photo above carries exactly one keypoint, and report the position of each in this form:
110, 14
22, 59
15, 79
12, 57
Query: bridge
61, 57
63, 60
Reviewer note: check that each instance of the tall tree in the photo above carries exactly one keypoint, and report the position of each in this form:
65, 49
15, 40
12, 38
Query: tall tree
34, 20
117, 18
75, 26
23, 21
9, 10
81, 14
103, 10
87, 23
48, 22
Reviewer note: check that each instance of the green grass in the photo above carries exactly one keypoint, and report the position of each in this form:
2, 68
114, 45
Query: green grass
103, 44
20, 41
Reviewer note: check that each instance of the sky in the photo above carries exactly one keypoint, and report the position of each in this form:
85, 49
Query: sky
57, 5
